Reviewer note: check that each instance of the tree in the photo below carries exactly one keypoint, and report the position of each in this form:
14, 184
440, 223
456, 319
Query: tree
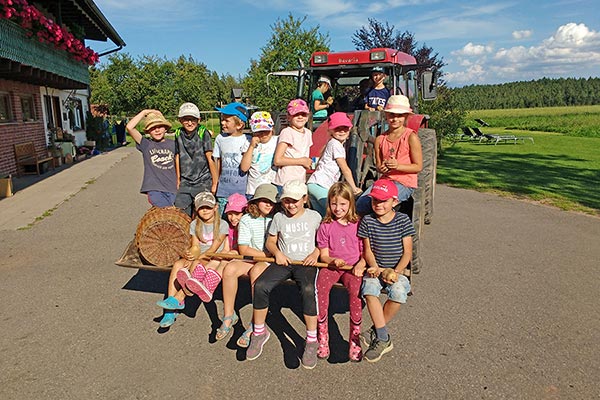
289, 42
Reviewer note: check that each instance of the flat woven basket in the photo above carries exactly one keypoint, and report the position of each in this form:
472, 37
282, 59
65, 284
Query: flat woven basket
163, 235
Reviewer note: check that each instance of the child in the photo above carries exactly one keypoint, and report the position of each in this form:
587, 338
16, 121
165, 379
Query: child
258, 159
196, 170
160, 180
208, 236
331, 162
318, 104
229, 147
291, 237
378, 95
293, 147
398, 154
251, 242
387, 244
339, 246
236, 204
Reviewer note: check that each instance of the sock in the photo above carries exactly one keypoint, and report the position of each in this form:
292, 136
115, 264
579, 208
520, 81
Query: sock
382, 334
259, 329
311, 336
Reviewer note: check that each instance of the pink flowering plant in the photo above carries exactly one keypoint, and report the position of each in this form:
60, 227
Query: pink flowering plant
46, 30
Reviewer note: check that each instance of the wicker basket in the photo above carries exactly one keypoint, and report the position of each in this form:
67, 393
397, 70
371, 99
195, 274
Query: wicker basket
163, 235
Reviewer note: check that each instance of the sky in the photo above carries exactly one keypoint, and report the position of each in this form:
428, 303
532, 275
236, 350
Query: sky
482, 42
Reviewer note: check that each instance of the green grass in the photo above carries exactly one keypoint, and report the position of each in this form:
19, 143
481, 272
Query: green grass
560, 170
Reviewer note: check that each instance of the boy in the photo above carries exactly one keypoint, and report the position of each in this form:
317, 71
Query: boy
291, 237
229, 147
196, 170
387, 243
160, 179
258, 159
378, 95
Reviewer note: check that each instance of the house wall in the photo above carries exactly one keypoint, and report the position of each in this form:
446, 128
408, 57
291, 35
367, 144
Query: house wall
63, 95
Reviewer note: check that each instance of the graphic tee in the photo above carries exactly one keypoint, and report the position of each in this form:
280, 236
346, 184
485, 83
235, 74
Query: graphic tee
296, 236
230, 149
159, 165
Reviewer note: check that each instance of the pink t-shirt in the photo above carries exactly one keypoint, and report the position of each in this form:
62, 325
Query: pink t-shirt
400, 150
232, 237
298, 146
341, 240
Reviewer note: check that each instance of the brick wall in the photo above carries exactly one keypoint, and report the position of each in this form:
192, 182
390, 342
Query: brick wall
19, 131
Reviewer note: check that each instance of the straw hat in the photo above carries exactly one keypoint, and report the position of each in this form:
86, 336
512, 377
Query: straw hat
398, 104
154, 119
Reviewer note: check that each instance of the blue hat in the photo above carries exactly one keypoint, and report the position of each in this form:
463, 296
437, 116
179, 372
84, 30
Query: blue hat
378, 69
237, 109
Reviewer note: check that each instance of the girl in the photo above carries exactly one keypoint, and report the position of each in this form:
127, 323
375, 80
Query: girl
339, 246
252, 233
236, 204
208, 235
293, 147
331, 163
258, 159
319, 105
398, 155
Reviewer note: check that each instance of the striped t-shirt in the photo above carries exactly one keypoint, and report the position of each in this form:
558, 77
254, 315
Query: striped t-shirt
253, 231
386, 239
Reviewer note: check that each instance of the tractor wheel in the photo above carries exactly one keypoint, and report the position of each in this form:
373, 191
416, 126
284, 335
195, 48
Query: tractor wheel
427, 176
418, 216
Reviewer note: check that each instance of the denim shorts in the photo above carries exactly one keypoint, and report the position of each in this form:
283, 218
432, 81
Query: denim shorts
161, 199
396, 292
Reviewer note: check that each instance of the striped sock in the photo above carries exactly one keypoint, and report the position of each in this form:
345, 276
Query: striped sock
311, 336
259, 329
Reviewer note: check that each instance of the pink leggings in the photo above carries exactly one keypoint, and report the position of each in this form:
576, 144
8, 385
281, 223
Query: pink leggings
325, 281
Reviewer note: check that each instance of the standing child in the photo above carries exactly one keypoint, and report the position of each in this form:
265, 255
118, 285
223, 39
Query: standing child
293, 147
291, 237
319, 105
387, 247
258, 159
196, 170
398, 154
160, 180
229, 148
340, 246
208, 236
332, 163
251, 242
378, 95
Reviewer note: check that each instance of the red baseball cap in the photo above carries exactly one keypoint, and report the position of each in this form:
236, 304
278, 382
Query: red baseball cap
384, 189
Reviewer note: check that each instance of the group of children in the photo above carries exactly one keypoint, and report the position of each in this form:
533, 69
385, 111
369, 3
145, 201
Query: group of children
259, 185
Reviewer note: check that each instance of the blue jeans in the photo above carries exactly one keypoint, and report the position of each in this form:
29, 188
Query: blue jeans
161, 199
318, 198
363, 204
396, 292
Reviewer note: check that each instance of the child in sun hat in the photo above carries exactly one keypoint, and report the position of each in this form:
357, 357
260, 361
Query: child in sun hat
292, 155
398, 154
258, 159
160, 178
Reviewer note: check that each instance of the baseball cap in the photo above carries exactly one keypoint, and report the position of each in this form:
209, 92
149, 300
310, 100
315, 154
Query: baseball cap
325, 79
154, 119
236, 202
338, 119
378, 69
188, 110
266, 191
297, 106
236, 109
384, 189
398, 104
204, 199
261, 121
294, 189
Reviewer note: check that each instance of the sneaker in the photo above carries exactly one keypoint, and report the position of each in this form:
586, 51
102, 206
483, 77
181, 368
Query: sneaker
323, 334
367, 336
168, 319
171, 303
309, 358
205, 288
355, 351
377, 349
257, 343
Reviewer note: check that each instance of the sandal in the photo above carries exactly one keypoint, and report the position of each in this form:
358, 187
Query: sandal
224, 330
244, 340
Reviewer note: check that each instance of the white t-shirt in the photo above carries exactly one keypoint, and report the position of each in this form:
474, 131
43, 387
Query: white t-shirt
298, 147
261, 169
328, 171
230, 150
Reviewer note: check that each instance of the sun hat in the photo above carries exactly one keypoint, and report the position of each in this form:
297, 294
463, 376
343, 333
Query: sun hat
261, 121
384, 189
236, 202
398, 104
236, 109
294, 189
378, 69
265, 191
325, 79
338, 119
297, 106
188, 110
204, 199
154, 119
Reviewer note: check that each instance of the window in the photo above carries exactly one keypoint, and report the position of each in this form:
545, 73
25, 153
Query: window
28, 108
76, 120
6, 114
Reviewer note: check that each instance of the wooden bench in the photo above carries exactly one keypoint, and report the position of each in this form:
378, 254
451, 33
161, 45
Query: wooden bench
25, 155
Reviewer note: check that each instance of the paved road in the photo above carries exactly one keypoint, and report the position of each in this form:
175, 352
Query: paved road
506, 306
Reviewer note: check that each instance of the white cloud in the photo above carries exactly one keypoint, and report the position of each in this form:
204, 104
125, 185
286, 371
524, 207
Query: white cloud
522, 34
471, 49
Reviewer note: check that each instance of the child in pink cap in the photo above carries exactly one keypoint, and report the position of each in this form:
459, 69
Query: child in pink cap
236, 204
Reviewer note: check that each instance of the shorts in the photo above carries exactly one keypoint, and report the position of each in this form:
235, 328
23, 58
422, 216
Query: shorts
161, 199
396, 292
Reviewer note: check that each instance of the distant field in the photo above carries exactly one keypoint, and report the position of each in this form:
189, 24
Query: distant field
572, 121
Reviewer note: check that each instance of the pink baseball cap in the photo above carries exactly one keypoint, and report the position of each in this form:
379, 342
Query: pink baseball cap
297, 106
384, 189
236, 202
338, 119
